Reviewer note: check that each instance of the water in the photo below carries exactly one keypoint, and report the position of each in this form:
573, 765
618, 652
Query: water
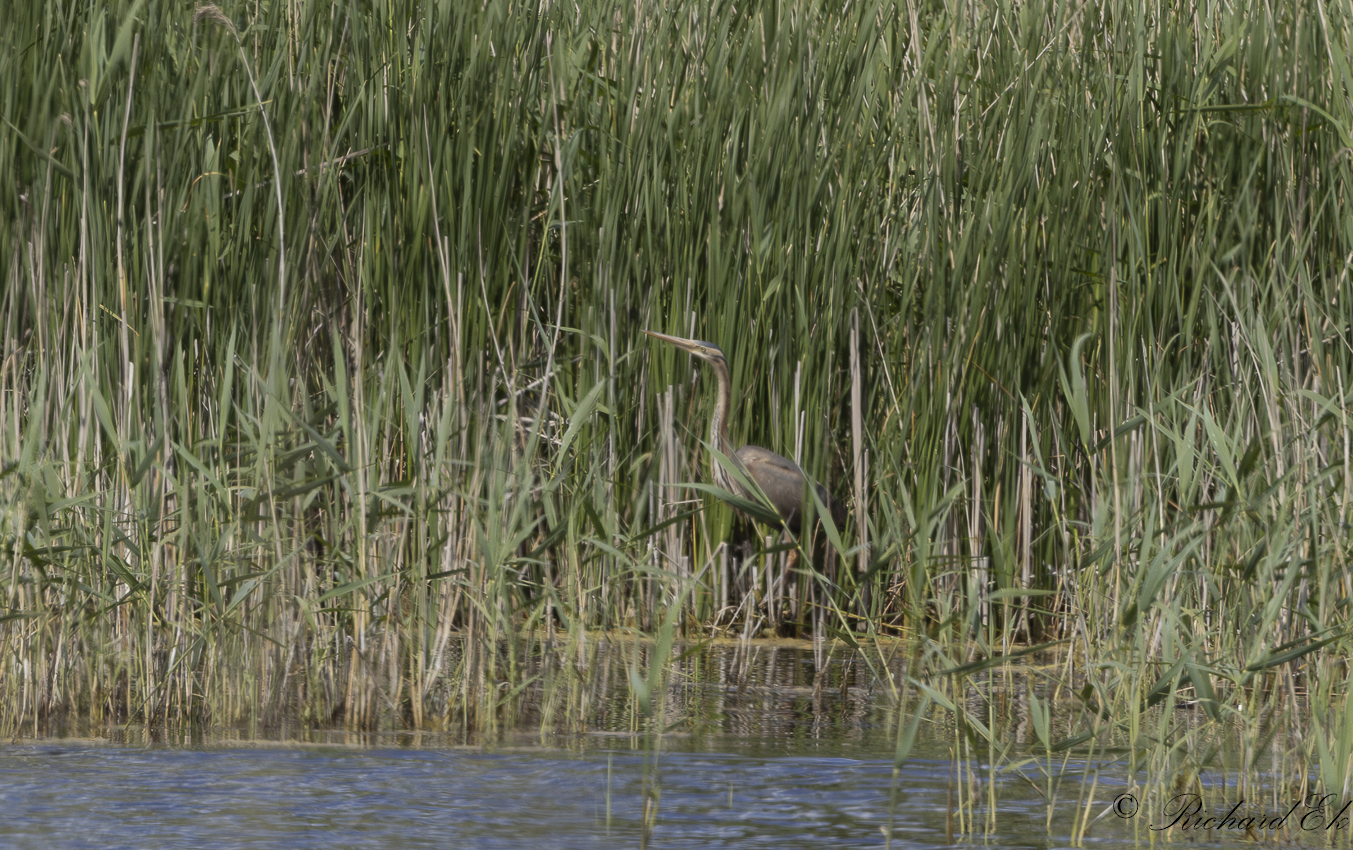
762, 755
85, 795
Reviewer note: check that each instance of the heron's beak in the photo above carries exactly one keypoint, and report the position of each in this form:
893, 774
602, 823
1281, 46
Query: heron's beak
687, 345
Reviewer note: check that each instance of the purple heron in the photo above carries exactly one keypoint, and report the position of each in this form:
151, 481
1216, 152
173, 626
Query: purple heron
779, 478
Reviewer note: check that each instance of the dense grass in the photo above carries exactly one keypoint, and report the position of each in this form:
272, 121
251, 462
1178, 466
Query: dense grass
322, 392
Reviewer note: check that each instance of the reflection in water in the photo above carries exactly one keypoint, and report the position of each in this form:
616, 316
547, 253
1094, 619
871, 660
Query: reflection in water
102, 796
757, 691
739, 746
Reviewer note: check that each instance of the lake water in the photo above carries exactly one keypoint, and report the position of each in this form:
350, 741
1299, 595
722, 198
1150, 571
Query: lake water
769, 767
85, 795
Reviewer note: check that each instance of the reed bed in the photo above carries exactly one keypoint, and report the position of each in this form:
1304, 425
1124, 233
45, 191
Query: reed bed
323, 395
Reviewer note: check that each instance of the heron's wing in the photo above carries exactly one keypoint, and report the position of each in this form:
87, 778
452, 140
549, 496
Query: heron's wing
778, 477
769, 460
782, 481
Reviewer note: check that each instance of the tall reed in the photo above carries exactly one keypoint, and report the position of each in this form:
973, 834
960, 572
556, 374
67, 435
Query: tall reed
322, 392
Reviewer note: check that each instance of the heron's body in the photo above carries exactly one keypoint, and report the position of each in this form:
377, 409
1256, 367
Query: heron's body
778, 477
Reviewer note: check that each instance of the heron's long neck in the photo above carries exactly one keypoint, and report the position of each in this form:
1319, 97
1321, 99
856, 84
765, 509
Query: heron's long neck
723, 402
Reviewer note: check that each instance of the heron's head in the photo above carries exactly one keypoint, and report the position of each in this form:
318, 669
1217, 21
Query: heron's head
707, 351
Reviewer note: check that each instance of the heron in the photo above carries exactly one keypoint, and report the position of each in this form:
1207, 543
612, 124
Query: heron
779, 478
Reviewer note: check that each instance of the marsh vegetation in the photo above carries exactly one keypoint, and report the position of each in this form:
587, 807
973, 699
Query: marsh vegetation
323, 395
